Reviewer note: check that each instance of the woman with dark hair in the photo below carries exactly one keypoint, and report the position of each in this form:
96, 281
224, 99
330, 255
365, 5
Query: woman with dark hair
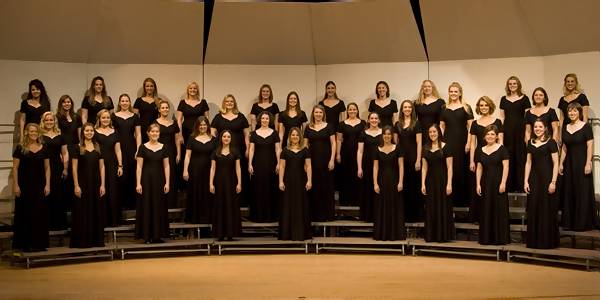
295, 180
541, 172
170, 139
230, 118
127, 126
292, 116
69, 124
572, 93
333, 105
429, 105
436, 187
96, 99
320, 140
348, 132
153, 174
31, 171
226, 183
89, 212
263, 160
110, 147
196, 171
264, 103
455, 122
388, 170
542, 111
577, 194
491, 176
368, 140
59, 165
146, 106
385, 107
34, 106
512, 111
189, 109
408, 137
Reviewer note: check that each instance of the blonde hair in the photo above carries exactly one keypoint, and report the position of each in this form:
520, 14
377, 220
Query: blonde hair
102, 111
187, 89
25, 142
235, 107
54, 129
312, 115
488, 101
434, 92
154, 95
301, 143
577, 86
465, 105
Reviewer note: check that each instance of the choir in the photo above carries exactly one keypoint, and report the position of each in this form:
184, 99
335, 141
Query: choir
407, 163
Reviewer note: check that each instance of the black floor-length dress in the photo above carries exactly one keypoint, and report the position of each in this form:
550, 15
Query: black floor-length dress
227, 221
148, 113
514, 140
294, 218
455, 136
167, 137
57, 205
289, 122
126, 130
494, 221
439, 223
386, 113
413, 202
542, 207
367, 194
151, 221
107, 143
578, 203
264, 204
30, 224
388, 220
347, 172
89, 212
198, 209
322, 203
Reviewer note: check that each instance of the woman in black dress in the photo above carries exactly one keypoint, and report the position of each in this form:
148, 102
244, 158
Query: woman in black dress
264, 103
96, 99
408, 137
263, 159
34, 106
31, 170
127, 126
573, 93
485, 108
577, 194
291, 117
455, 122
172, 144
110, 147
69, 124
230, 118
436, 186
320, 139
385, 107
196, 171
541, 172
491, 176
295, 179
88, 215
429, 105
153, 174
542, 111
368, 140
59, 165
147, 106
348, 132
333, 105
226, 183
512, 112
388, 170
188, 111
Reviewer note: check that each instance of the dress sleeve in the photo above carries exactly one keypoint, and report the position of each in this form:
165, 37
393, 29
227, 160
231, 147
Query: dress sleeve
583, 100
503, 102
274, 109
553, 116
306, 153
137, 103
180, 105
244, 121
472, 130
395, 105
142, 151
498, 124
253, 137
255, 109
85, 103
553, 146
446, 152
165, 154
588, 133
418, 127
275, 136
189, 144
469, 112
283, 155
478, 153
526, 102
371, 105
216, 122
303, 117
339, 127
18, 153
342, 106
23, 106
504, 153
204, 106
110, 104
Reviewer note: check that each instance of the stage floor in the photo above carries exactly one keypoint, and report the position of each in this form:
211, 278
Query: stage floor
298, 276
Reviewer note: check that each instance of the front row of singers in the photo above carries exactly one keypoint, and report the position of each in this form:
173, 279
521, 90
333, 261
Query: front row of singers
213, 170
